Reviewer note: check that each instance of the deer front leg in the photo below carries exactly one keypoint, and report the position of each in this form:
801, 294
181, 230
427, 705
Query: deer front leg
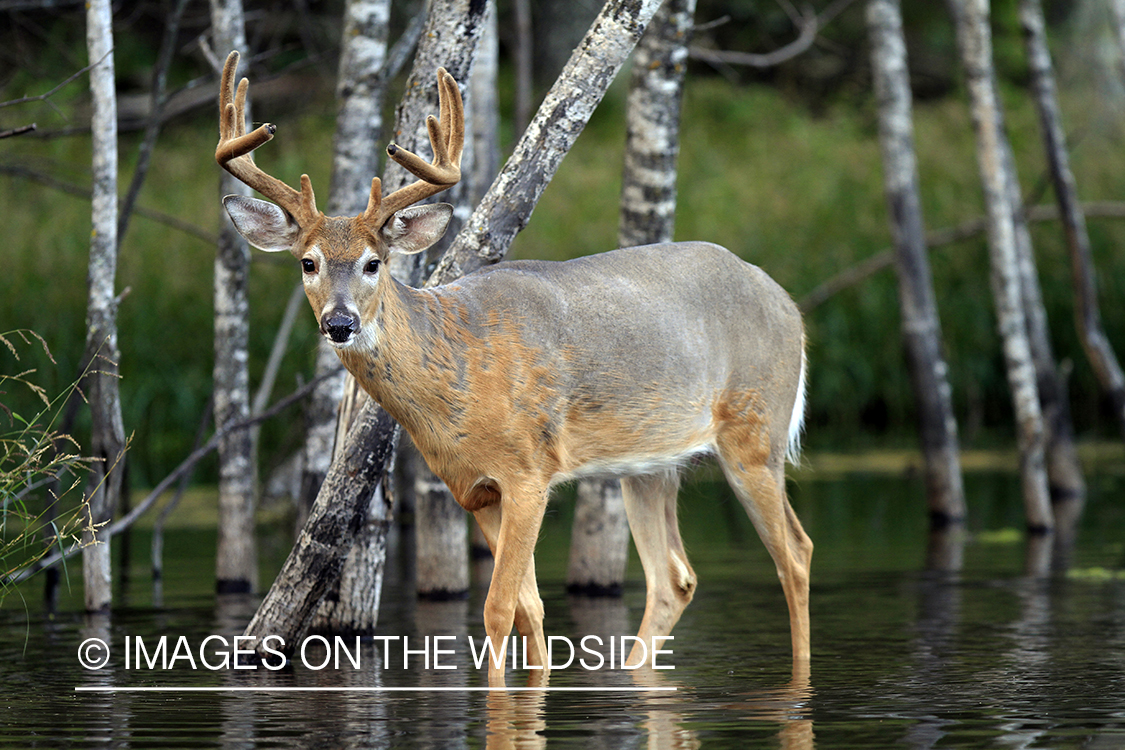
513, 595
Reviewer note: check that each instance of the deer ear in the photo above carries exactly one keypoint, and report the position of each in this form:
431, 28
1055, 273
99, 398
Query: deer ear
415, 228
265, 225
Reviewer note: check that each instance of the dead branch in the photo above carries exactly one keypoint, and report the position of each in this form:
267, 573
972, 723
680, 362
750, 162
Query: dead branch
868, 267
46, 96
21, 130
809, 24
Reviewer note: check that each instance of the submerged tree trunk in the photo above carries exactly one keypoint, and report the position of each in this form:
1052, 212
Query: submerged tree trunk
315, 563
921, 326
1064, 474
599, 540
599, 544
975, 41
484, 113
1087, 312
108, 431
237, 551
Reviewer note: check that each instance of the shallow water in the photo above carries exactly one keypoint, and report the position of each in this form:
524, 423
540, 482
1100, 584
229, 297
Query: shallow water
903, 655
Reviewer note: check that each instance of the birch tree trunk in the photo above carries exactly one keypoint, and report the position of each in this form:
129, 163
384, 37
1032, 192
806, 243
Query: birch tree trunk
652, 127
599, 546
343, 503
236, 555
599, 540
1064, 475
453, 29
108, 432
1087, 312
974, 38
484, 109
442, 542
921, 327
507, 206
352, 604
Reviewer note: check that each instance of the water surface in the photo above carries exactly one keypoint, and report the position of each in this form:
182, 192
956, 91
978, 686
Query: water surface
979, 654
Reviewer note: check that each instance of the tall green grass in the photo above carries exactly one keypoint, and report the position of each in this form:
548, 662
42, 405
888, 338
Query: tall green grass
37, 461
798, 194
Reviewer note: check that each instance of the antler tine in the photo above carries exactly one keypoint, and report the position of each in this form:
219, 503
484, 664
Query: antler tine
236, 146
447, 139
240, 104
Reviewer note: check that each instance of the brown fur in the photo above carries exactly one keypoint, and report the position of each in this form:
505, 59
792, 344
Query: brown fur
502, 406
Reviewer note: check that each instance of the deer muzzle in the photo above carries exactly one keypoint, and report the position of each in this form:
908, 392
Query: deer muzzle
339, 325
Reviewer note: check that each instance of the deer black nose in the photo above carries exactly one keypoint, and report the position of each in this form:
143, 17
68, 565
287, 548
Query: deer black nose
339, 325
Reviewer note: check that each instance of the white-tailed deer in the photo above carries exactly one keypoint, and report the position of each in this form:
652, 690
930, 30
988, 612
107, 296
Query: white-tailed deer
526, 374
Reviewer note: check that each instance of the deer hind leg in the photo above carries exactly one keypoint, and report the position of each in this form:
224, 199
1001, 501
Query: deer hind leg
757, 477
513, 594
650, 505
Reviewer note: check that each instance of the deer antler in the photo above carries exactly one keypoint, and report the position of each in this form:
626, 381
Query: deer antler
447, 138
235, 146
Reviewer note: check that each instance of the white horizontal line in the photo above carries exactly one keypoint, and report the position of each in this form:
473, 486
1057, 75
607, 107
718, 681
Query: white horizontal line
151, 689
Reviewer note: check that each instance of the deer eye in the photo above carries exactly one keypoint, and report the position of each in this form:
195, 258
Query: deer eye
371, 267
308, 266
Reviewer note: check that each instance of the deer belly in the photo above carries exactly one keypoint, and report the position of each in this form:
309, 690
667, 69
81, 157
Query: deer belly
631, 439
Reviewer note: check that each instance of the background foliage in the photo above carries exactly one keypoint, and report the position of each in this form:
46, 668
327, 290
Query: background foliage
782, 166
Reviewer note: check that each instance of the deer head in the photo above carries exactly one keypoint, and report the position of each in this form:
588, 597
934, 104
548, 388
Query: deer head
341, 257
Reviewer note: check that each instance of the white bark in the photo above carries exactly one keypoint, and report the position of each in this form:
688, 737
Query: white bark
236, 568
1064, 474
507, 206
599, 540
484, 111
1087, 312
652, 138
920, 323
359, 96
975, 40
108, 432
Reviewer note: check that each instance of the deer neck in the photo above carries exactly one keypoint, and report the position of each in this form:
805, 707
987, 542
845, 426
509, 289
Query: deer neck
412, 363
